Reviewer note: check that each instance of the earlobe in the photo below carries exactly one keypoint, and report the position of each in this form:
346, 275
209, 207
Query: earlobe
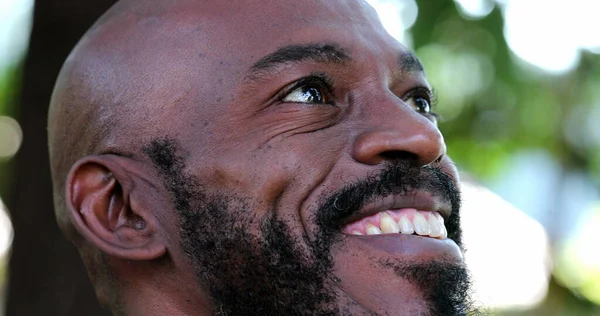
107, 206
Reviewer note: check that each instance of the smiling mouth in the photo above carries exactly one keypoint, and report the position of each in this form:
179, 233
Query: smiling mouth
406, 221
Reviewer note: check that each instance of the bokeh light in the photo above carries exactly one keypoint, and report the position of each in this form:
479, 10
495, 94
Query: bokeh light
6, 231
397, 17
474, 9
551, 34
497, 254
578, 265
457, 77
15, 26
11, 136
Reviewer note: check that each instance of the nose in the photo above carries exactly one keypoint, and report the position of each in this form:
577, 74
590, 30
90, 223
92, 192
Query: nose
405, 136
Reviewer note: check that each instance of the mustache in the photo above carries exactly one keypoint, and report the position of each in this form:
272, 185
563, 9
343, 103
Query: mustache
394, 179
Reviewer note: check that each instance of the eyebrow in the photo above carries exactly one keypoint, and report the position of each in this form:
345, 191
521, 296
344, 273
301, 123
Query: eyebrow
409, 62
314, 52
321, 53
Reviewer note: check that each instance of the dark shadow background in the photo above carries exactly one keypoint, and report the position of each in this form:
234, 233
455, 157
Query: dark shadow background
46, 274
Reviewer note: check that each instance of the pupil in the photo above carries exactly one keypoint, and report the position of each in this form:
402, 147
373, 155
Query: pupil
422, 105
312, 95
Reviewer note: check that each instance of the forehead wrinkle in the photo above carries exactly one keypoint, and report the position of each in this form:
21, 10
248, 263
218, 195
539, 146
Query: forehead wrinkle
296, 53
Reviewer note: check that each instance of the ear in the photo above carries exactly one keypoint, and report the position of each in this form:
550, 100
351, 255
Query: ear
110, 204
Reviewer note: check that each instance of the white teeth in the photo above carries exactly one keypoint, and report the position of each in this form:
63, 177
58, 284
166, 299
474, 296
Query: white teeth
439, 218
435, 227
406, 227
420, 223
388, 224
444, 233
373, 230
430, 224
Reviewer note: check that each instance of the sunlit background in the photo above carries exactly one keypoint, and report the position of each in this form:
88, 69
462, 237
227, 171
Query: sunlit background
518, 85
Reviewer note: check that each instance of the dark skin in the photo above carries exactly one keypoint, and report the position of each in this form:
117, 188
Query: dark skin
198, 73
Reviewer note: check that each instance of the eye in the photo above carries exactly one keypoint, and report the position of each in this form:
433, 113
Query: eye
314, 89
306, 94
419, 104
422, 99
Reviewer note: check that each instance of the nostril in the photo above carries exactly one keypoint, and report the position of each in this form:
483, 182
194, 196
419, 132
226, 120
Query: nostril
400, 155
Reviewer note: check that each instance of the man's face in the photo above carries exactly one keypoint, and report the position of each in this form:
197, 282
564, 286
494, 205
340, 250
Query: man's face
301, 155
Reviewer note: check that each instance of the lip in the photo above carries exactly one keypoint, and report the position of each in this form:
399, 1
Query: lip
408, 246
420, 200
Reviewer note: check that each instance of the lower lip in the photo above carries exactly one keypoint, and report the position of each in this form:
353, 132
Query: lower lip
409, 245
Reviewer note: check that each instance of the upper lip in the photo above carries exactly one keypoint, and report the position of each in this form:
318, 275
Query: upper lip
419, 200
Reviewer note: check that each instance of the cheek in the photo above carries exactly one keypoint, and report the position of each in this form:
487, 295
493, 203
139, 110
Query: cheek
450, 169
291, 170
299, 119
265, 177
272, 173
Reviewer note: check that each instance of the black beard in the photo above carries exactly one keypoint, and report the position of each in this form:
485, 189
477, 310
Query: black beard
269, 272
445, 285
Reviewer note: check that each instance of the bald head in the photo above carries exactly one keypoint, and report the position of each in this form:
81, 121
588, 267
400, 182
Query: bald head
223, 156
108, 82
145, 64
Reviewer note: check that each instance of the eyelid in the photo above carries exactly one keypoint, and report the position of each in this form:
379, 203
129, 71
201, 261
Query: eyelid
422, 91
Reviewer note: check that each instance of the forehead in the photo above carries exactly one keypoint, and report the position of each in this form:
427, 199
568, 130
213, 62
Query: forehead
195, 53
274, 15
248, 30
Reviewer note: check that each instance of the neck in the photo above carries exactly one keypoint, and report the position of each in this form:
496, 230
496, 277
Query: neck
144, 300
148, 290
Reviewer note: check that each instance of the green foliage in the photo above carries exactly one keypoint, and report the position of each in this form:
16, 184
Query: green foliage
496, 106
493, 105
9, 87
9, 91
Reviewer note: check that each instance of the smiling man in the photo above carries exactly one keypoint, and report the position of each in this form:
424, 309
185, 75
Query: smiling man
255, 158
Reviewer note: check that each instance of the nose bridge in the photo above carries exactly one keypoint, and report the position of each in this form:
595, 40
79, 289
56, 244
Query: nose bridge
391, 130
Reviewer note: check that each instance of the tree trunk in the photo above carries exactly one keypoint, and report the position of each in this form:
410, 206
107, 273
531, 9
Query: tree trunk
46, 275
